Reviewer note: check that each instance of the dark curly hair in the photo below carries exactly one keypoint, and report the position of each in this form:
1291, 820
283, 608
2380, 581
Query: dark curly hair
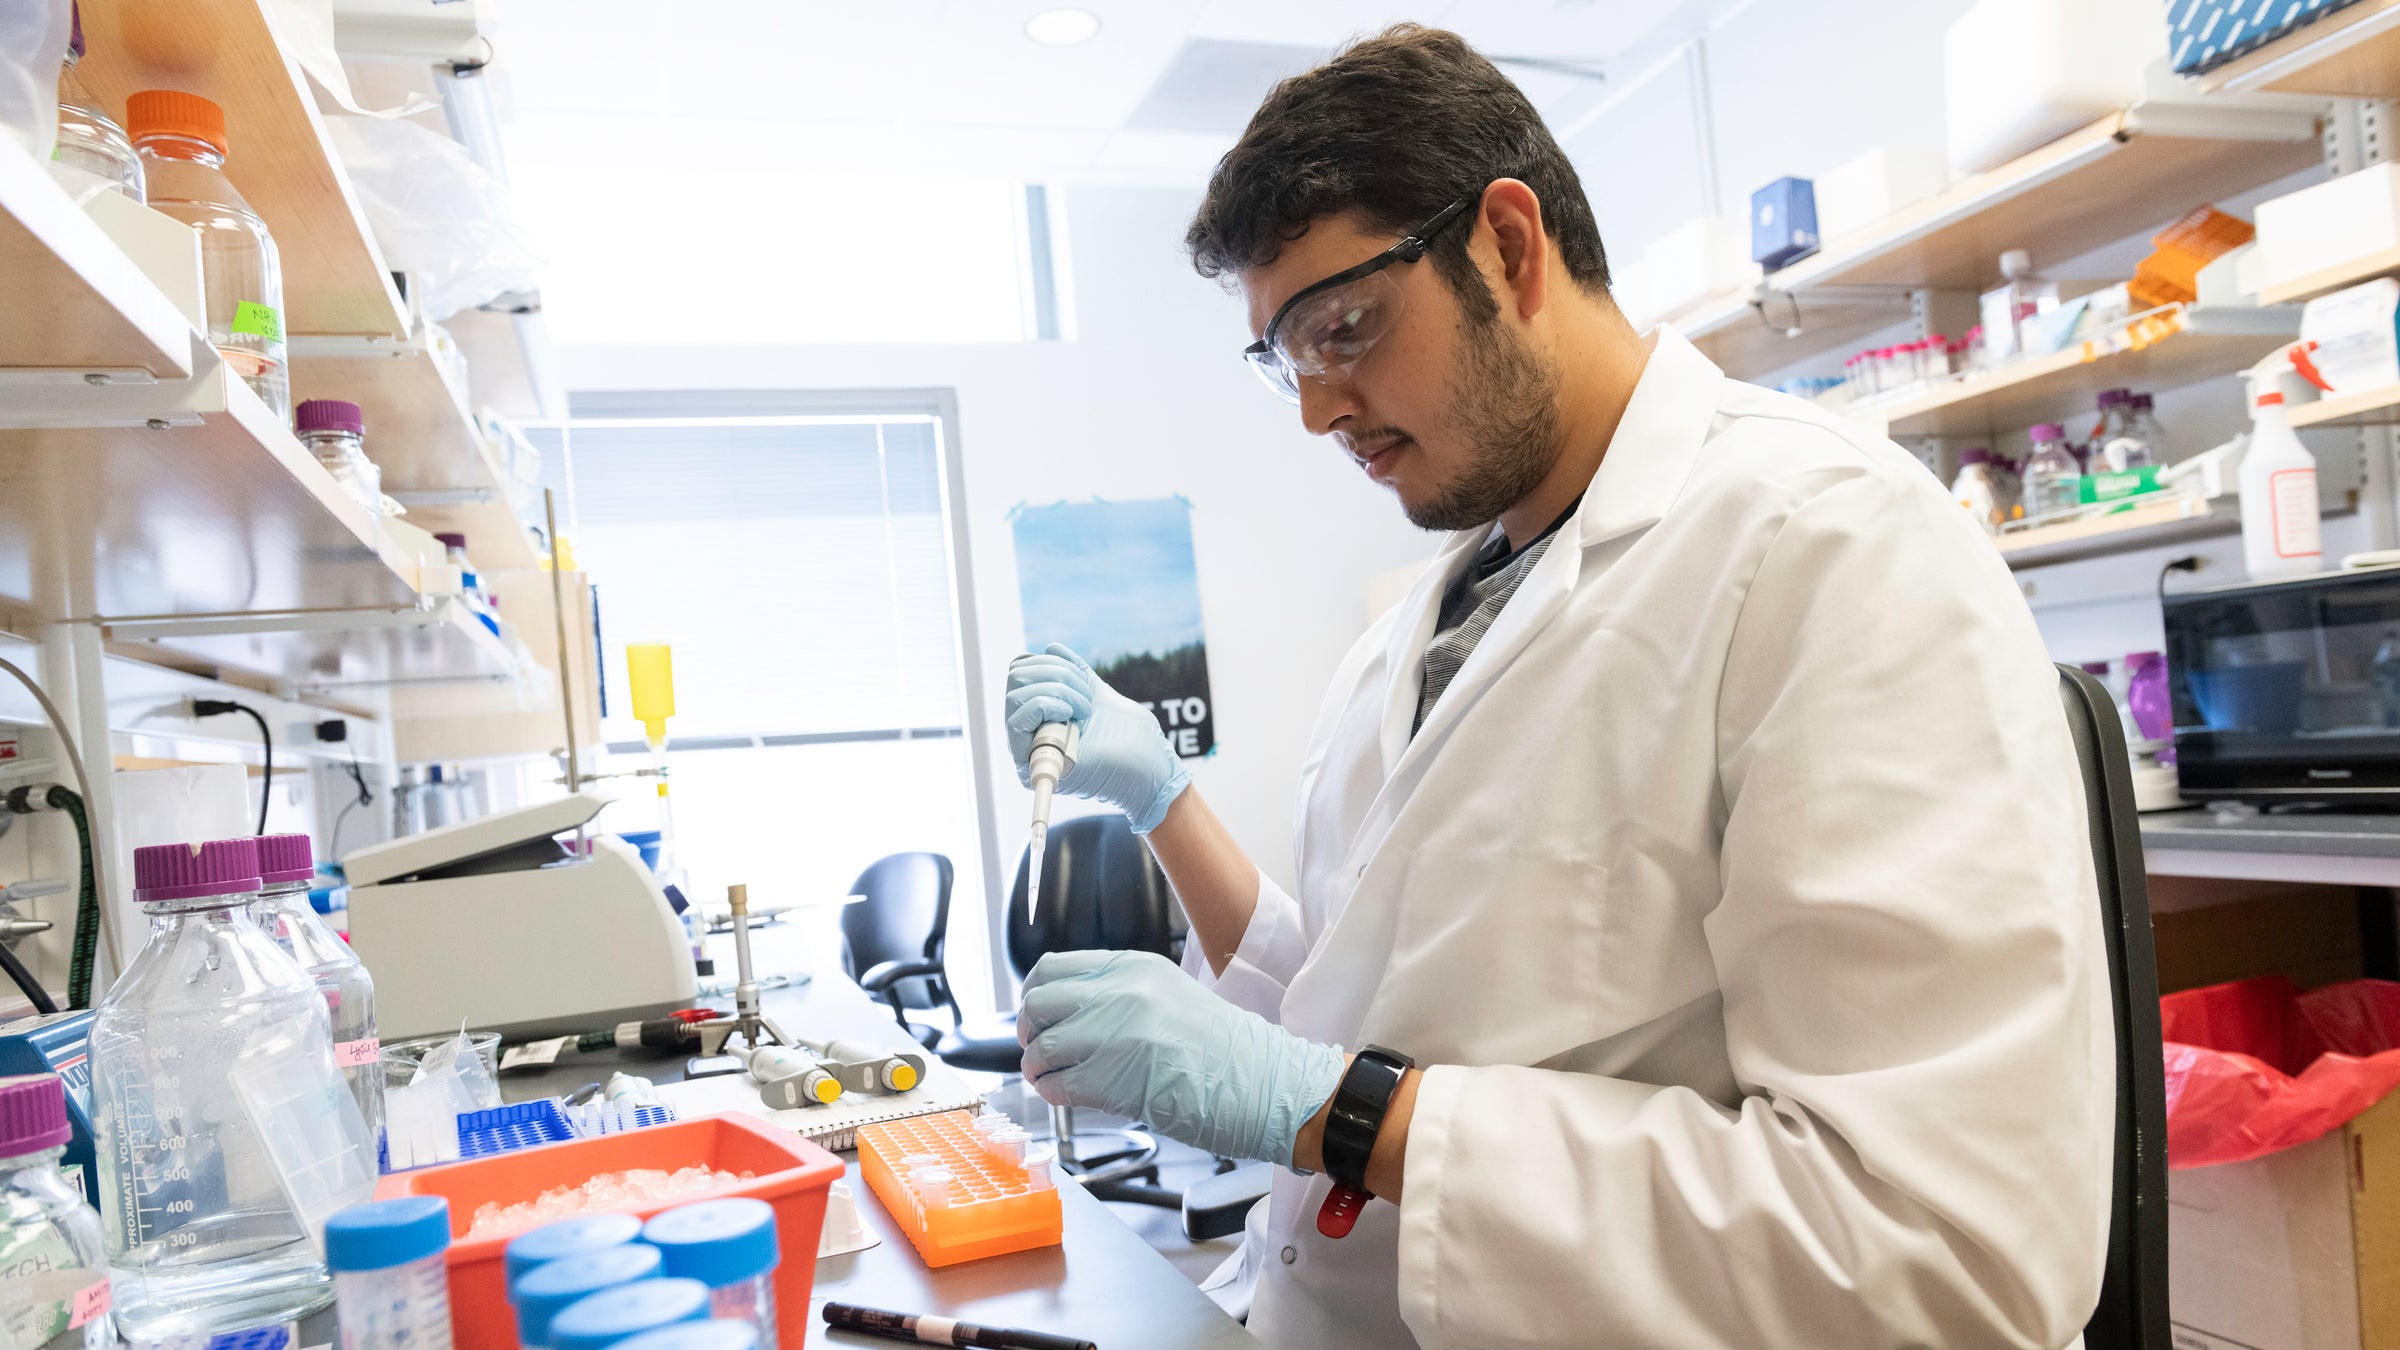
1394, 128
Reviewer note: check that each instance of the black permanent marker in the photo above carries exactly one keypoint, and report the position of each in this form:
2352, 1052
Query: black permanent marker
927, 1329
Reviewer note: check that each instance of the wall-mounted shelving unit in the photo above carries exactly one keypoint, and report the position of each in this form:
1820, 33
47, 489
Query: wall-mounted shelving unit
2164, 350
2167, 518
2314, 284
2064, 199
439, 642
78, 304
2350, 53
2367, 408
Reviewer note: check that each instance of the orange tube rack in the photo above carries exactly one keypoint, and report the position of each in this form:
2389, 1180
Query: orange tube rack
994, 1208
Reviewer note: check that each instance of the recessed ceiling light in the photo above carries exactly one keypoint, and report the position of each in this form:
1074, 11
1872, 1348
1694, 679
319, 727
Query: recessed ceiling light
1062, 27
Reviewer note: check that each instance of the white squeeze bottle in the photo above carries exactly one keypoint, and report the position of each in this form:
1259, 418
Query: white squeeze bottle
2279, 497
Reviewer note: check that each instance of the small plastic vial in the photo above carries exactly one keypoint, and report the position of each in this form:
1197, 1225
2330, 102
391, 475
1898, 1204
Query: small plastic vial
730, 1246
567, 1237
46, 1227
94, 154
542, 1293
1040, 1162
719, 1334
613, 1315
1007, 1145
391, 1274
933, 1186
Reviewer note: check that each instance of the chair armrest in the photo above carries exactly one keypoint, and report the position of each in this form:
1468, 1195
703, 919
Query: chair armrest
1216, 1207
883, 977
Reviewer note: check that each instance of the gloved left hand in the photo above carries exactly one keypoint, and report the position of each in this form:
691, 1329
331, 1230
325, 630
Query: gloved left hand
1130, 1034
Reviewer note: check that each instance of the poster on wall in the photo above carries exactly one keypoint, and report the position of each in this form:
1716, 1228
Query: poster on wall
1116, 582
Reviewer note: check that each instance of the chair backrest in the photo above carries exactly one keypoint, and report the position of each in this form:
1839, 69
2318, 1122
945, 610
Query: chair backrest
905, 917
2133, 1293
1101, 891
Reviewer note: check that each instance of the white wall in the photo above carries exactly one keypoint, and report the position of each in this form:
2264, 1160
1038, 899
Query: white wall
1151, 398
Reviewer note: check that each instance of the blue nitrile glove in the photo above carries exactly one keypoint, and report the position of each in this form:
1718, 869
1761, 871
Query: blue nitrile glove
1123, 758
1130, 1034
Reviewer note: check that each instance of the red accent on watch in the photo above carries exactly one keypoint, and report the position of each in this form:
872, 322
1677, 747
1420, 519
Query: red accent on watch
1339, 1214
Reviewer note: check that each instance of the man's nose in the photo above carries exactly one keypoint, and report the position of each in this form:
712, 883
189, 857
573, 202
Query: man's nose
1322, 404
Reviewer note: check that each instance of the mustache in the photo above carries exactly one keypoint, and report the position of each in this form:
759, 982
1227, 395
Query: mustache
1378, 438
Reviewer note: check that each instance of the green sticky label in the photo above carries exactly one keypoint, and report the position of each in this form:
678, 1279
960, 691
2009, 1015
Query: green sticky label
2108, 487
258, 321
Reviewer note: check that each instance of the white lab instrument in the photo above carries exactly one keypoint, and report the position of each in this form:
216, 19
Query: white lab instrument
1797, 909
496, 923
1053, 758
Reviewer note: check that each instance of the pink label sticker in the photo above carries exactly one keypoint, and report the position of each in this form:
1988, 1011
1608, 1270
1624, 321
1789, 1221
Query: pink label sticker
351, 1054
90, 1301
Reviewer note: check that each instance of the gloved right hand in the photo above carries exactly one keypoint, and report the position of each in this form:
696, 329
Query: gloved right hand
1123, 758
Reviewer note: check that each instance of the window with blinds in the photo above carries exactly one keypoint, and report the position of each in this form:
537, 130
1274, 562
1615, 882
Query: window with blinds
797, 559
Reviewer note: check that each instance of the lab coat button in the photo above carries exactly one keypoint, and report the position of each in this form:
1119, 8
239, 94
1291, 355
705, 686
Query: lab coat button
1290, 1255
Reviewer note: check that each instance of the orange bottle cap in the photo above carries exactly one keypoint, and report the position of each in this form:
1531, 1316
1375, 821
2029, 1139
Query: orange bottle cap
171, 112
2272, 396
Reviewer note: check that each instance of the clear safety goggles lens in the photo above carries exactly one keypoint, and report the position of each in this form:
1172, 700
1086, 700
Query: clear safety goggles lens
1325, 335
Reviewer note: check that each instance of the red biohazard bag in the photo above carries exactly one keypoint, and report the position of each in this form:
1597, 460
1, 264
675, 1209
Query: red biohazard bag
2256, 1067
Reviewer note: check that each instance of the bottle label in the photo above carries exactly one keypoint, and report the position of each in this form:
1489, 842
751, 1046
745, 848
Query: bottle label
92, 1301
43, 1285
259, 321
2293, 494
352, 1054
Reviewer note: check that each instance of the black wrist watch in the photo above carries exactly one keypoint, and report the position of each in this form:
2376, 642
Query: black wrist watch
1351, 1124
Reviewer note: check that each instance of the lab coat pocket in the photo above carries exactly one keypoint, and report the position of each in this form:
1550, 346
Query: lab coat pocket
1496, 958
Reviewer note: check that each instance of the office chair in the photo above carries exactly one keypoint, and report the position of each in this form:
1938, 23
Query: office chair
2133, 1290
1101, 891
897, 934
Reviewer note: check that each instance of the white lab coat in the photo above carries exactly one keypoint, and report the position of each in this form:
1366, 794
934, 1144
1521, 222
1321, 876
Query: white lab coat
1737, 896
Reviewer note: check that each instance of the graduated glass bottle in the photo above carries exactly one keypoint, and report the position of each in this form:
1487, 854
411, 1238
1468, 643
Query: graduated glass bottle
94, 154
181, 138
287, 862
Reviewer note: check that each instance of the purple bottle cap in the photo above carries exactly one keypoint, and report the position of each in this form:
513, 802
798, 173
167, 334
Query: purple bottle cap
456, 541
1975, 456
2099, 668
2116, 398
75, 29
2142, 403
329, 414
33, 1114
285, 857
2144, 660
189, 871
2047, 431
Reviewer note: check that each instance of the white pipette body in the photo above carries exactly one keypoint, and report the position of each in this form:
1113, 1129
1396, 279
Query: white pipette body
1053, 758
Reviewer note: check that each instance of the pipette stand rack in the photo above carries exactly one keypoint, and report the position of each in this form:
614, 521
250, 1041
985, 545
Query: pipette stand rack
748, 1024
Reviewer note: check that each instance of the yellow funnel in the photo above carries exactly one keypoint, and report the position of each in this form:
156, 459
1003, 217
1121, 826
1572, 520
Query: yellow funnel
650, 674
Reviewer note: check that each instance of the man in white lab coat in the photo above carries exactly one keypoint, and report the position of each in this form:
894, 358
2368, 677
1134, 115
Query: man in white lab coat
1700, 845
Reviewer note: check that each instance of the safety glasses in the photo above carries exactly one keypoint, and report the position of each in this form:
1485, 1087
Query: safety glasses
1327, 327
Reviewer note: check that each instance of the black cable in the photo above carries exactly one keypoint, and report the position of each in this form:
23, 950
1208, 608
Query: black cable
365, 797
2187, 563
211, 707
31, 987
86, 946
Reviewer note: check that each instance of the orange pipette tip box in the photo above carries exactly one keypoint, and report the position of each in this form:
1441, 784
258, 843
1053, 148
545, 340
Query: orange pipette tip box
993, 1207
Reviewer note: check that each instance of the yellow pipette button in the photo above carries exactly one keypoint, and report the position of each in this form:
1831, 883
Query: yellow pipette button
827, 1090
904, 1077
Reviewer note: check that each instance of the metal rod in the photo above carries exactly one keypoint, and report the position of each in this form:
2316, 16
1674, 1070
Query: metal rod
745, 988
558, 611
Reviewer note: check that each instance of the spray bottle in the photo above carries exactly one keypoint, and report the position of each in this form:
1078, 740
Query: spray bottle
2280, 512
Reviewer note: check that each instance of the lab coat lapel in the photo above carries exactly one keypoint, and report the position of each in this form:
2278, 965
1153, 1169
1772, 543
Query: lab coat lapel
1645, 466
1412, 630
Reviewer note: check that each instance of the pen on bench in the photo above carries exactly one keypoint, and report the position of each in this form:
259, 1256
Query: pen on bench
927, 1329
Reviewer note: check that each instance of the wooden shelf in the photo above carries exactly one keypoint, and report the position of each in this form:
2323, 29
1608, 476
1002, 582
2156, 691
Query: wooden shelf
422, 436
442, 643
2059, 201
2371, 408
2177, 347
334, 278
215, 509
2351, 53
2314, 284
2167, 518
80, 304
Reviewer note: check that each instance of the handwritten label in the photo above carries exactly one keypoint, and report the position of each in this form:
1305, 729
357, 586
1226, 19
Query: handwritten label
352, 1054
251, 319
93, 1300
535, 1054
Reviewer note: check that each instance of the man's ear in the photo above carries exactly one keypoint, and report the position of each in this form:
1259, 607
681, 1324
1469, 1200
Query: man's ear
1512, 215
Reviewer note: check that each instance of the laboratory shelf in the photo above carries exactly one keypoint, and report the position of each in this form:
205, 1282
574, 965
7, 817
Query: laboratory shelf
419, 431
178, 499
2059, 201
2313, 284
436, 641
2350, 53
2368, 408
96, 311
2164, 349
282, 159
2167, 518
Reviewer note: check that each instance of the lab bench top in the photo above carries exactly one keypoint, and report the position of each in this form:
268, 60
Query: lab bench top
1102, 1283
2324, 847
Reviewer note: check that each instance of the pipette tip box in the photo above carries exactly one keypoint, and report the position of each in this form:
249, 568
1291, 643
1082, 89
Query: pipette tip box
994, 1206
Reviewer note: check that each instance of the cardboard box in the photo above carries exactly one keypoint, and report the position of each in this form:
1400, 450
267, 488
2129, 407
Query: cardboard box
2344, 218
1879, 184
2299, 1250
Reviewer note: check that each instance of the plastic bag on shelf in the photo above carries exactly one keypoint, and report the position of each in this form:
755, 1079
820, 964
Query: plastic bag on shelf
33, 45
2256, 1067
438, 215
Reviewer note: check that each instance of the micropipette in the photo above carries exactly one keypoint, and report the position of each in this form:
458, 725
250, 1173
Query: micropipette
1053, 758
